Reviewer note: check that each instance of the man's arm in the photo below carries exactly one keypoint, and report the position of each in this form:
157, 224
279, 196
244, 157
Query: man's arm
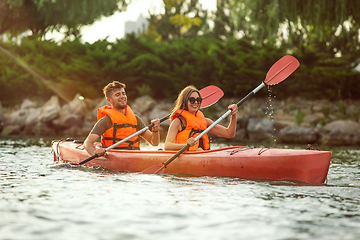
89, 145
99, 128
152, 137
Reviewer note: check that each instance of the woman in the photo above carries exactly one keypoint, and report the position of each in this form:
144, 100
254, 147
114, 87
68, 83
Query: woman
187, 122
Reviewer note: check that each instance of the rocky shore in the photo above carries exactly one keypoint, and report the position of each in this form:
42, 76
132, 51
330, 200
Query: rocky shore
291, 121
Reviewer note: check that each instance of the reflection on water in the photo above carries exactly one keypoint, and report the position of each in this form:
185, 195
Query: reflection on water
39, 202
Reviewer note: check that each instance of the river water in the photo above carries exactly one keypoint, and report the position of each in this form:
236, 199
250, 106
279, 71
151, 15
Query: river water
40, 202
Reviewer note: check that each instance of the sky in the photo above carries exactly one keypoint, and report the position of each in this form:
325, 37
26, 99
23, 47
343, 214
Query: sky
113, 27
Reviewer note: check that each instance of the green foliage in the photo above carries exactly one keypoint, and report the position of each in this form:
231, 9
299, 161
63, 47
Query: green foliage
144, 90
181, 19
41, 16
299, 117
326, 111
293, 106
162, 70
180, 49
331, 24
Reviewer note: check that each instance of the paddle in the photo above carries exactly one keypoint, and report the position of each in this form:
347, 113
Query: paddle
277, 73
211, 94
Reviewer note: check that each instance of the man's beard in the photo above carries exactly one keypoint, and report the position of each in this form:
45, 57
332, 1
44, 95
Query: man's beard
120, 105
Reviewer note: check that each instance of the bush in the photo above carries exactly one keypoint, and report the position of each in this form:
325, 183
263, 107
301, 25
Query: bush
162, 70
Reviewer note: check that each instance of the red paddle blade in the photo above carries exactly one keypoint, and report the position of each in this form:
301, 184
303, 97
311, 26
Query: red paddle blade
156, 169
210, 95
281, 70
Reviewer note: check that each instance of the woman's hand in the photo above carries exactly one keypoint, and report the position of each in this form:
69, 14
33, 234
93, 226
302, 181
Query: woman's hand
233, 108
191, 142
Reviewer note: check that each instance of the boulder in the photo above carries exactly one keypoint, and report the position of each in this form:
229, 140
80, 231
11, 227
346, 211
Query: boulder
72, 120
298, 134
280, 124
341, 132
2, 118
31, 120
12, 130
26, 104
260, 129
50, 110
320, 105
143, 104
159, 113
313, 118
99, 103
78, 106
42, 129
17, 118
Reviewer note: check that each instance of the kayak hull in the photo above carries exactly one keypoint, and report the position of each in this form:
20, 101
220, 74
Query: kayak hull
308, 166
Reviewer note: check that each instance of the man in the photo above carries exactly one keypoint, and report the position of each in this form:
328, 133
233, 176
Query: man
118, 122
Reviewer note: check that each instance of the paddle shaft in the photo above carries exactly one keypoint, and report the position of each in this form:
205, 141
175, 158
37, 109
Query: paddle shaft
125, 139
211, 126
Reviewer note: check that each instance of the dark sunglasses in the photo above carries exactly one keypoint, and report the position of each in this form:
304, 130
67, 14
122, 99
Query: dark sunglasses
192, 100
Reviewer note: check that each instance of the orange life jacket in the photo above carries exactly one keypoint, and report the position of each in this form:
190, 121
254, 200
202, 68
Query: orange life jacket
123, 126
195, 125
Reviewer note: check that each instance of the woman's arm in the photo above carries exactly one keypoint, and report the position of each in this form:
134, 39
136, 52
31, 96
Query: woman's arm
222, 131
174, 128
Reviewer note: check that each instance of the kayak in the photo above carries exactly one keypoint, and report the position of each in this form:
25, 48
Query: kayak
296, 165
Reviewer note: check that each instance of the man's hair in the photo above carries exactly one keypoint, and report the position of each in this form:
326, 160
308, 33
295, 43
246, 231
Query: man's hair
112, 87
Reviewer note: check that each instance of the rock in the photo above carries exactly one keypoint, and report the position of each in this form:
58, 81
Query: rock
320, 105
280, 124
26, 104
298, 134
31, 120
2, 117
78, 106
12, 130
32, 116
78, 117
75, 131
72, 120
17, 118
341, 132
260, 129
314, 118
143, 104
50, 110
352, 109
101, 102
159, 113
282, 120
279, 114
241, 134
42, 129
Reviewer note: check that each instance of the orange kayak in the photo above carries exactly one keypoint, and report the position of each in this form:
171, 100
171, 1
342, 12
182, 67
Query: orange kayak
308, 166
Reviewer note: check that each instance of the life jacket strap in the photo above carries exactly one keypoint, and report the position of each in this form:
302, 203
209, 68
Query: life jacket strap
193, 132
115, 140
118, 126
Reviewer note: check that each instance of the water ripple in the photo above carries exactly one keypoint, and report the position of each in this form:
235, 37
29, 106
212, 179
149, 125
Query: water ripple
39, 202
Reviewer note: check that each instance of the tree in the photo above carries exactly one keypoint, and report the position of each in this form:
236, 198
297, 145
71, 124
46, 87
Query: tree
332, 24
41, 16
181, 19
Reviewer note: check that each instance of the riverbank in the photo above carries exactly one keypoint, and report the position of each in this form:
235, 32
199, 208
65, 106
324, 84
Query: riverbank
292, 121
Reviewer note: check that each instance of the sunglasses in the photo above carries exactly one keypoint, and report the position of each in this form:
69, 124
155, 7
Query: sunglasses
192, 100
